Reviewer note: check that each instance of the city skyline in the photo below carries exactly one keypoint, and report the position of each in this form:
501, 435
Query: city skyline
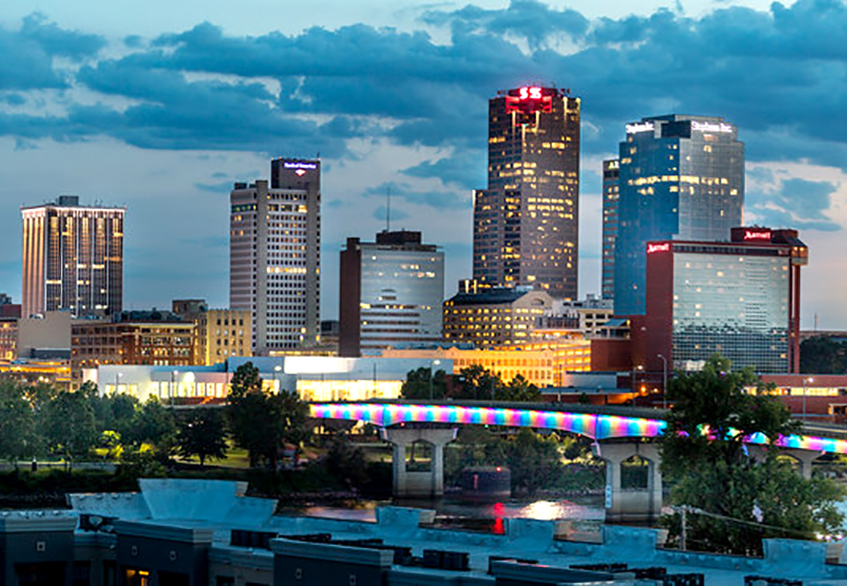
92, 113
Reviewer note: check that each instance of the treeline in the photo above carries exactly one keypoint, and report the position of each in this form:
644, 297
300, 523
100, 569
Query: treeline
40, 421
473, 383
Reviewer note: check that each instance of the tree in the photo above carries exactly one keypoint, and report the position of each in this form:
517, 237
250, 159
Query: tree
346, 463
202, 434
534, 461
417, 384
18, 437
69, 425
712, 470
520, 390
823, 355
478, 384
262, 422
153, 424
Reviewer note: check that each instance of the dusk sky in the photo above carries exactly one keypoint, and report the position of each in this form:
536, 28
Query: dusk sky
161, 106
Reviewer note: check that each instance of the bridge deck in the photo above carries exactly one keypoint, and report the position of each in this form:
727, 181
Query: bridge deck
596, 422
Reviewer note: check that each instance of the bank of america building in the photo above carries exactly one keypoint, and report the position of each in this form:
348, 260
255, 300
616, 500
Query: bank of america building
681, 178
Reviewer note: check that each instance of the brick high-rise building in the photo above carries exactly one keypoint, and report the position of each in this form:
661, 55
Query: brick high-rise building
526, 223
72, 258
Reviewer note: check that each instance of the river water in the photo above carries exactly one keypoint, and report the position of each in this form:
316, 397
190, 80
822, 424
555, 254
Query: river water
580, 518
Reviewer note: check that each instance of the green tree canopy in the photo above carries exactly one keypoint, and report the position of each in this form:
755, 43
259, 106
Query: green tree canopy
417, 385
18, 437
744, 497
202, 433
823, 355
69, 425
261, 422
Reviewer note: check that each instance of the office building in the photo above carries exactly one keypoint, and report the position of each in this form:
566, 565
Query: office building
526, 221
542, 364
740, 299
132, 337
73, 258
275, 255
681, 178
391, 293
494, 317
220, 333
611, 194
313, 378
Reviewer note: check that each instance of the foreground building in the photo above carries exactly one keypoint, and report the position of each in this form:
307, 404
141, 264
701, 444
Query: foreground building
526, 222
391, 293
167, 534
73, 258
740, 299
275, 255
681, 178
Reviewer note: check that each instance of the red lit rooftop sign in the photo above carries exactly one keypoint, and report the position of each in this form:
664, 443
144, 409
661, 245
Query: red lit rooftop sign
658, 247
530, 99
757, 235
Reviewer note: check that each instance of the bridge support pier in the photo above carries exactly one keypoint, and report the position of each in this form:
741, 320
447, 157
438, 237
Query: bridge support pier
413, 483
631, 505
804, 460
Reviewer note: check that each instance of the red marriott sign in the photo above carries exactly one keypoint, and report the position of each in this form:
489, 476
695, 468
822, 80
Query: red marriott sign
758, 235
658, 247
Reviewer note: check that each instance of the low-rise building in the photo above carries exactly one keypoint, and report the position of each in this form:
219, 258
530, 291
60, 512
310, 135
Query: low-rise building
494, 317
220, 333
132, 337
544, 365
314, 378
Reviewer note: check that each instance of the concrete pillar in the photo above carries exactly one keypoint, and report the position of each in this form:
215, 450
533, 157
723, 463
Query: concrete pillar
425, 484
804, 460
631, 505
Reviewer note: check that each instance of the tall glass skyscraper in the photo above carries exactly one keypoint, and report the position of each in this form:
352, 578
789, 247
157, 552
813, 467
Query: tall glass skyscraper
681, 178
611, 194
526, 222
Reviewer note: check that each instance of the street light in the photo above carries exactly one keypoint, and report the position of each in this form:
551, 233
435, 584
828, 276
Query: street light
431, 364
633, 381
277, 369
664, 381
806, 380
174, 374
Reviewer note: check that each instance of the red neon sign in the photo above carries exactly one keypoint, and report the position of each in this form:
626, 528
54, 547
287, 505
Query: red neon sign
757, 235
529, 99
660, 247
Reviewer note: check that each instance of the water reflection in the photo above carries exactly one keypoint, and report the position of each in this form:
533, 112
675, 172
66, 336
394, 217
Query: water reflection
579, 519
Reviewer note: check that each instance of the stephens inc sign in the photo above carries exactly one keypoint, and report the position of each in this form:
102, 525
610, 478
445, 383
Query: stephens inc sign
711, 126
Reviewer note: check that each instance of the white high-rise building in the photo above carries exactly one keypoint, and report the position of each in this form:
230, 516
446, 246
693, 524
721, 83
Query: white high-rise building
275, 255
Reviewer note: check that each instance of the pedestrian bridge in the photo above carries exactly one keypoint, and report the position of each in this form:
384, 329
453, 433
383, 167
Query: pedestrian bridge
595, 422
619, 435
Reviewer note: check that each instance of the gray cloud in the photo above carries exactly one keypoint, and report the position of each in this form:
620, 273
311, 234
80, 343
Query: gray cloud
405, 192
777, 73
798, 203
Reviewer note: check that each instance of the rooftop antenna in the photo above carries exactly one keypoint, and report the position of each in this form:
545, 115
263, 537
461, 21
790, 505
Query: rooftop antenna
388, 209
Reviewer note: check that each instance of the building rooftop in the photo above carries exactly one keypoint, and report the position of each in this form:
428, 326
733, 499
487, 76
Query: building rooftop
200, 508
492, 296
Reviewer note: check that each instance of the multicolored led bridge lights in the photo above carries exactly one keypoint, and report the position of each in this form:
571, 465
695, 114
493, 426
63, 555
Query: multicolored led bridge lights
593, 425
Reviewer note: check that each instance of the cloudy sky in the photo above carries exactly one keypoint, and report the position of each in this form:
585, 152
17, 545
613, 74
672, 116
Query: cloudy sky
161, 106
